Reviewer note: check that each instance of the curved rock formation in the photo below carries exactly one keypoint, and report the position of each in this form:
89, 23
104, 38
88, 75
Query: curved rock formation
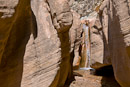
35, 48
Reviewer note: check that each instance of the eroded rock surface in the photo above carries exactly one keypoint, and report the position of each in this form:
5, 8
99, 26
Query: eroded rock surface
35, 47
115, 36
36, 42
14, 35
75, 34
119, 37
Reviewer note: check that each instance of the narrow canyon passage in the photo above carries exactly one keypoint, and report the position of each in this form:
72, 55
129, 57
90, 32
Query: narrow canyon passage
64, 43
110, 36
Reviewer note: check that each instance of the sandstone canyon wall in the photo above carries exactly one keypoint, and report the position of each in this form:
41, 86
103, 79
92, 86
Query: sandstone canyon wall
118, 42
39, 38
35, 46
114, 34
14, 34
110, 37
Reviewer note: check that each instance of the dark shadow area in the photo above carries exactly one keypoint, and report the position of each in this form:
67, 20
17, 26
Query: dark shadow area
108, 79
65, 49
128, 51
117, 48
103, 71
66, 61
73, 74
68, 82
12, 63
109, 82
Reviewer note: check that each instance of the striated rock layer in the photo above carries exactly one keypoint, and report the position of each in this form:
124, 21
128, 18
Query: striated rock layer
114, 34
34, 43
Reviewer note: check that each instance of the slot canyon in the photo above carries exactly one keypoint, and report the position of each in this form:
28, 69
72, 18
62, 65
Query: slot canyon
64, 43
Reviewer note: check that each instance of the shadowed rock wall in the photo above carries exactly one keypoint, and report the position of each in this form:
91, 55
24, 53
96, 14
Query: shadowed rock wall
35, 46
114, 16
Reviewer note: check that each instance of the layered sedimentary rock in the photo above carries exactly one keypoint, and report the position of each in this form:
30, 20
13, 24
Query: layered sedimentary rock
34, 38
114, 17
119, 40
